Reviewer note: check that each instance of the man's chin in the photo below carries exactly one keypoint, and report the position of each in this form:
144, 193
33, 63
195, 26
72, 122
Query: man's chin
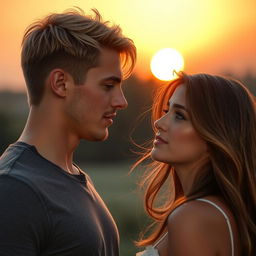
104, 138
100, 137
96, 136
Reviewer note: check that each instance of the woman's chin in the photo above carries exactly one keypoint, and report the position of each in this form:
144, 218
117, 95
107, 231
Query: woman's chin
159, 157
156, 156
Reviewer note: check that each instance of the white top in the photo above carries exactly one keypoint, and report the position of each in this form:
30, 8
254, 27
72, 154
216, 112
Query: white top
152, 251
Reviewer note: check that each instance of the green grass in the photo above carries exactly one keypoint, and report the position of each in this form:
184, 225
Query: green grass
119, 191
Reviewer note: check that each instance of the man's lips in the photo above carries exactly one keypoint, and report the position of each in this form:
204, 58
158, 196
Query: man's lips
110, 116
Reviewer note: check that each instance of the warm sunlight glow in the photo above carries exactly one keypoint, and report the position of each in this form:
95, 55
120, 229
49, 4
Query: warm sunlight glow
165, 63
202, 31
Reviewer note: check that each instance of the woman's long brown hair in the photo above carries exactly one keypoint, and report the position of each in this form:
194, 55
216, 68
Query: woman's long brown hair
223, 112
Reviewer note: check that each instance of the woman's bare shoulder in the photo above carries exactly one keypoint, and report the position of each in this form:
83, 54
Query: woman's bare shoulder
196, 227
196, 214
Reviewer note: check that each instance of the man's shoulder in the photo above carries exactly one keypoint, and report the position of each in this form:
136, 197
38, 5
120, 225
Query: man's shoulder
21, 163
17, 159
9, 157
14, 171
23, 160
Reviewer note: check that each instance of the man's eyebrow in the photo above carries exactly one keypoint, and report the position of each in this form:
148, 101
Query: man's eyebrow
175, 105
115, 79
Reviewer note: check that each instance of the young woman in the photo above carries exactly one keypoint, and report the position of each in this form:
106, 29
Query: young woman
201, 186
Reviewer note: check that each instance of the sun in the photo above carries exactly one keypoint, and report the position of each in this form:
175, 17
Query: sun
165, 63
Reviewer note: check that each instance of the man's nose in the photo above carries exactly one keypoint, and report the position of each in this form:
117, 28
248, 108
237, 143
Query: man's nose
119, 101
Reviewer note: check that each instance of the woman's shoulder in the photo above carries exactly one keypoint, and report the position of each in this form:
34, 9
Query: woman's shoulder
197, 213
198, 224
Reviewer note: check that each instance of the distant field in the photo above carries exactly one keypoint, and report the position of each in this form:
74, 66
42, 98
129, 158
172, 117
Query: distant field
120, 193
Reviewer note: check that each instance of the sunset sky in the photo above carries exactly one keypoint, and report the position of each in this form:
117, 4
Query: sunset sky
212, 35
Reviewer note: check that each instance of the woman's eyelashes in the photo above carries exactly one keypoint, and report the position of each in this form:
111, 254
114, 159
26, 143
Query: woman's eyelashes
177, 114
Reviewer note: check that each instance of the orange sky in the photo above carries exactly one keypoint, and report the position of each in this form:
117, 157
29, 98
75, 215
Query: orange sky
212, 35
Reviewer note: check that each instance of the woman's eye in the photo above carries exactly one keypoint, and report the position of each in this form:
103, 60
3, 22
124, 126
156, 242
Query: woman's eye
179, 116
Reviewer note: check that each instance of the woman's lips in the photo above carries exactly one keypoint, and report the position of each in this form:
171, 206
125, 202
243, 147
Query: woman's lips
159, 140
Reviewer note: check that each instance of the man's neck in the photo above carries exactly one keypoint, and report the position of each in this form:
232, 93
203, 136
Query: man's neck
51, 140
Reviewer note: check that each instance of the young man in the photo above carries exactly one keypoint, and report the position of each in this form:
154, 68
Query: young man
73, 69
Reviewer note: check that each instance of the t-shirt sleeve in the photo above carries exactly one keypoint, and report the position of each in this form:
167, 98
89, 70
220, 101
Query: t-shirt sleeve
24, 222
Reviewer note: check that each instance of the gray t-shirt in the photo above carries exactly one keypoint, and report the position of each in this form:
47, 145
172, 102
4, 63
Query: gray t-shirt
47, 211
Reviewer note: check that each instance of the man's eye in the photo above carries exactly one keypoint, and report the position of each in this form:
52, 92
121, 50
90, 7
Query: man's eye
108, 86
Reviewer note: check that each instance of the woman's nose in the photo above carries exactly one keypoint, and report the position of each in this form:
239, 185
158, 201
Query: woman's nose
160, 125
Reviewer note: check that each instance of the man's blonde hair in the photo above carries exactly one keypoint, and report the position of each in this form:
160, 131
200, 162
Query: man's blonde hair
71, 41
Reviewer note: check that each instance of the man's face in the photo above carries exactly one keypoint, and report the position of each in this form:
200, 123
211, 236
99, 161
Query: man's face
92, 106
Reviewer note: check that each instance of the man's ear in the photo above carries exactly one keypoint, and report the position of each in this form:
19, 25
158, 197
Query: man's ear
58, 79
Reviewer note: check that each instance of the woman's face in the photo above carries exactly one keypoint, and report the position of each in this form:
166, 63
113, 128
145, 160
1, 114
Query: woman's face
176, 140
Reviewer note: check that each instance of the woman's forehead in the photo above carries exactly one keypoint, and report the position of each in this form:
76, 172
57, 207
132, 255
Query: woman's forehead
178, 96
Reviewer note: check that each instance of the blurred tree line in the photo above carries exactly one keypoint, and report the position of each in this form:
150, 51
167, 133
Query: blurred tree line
132, 123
